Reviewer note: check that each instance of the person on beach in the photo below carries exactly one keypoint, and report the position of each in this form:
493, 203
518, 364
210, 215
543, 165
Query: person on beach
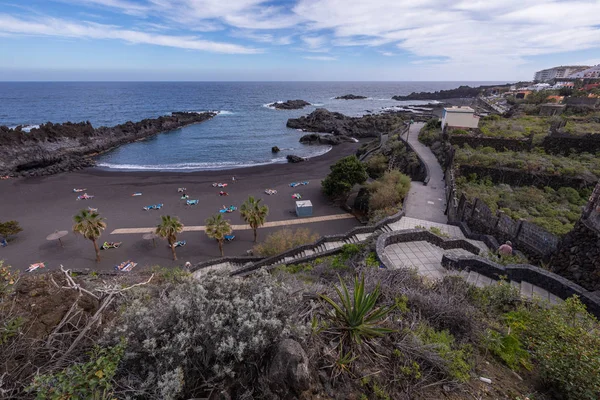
233, 179
506, 249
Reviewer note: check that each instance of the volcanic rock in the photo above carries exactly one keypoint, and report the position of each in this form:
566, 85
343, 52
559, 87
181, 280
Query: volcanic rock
54, 148
350, 97
290, 105
322, 120
275, 149
294, 159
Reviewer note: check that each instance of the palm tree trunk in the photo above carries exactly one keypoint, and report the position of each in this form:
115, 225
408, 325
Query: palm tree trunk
172, 244
221, 248
97, 250
255, 229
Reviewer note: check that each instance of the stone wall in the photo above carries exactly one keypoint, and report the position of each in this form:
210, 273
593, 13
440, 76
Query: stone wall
553, 283
578, 255
537, 243
518, 177
564, 143
499, 144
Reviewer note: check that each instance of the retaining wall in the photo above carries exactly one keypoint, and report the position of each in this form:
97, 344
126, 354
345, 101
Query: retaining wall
499, 144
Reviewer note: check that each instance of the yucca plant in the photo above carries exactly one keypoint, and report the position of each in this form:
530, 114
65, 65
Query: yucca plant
356, 318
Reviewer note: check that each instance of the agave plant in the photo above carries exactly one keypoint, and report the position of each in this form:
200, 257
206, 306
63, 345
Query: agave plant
356, 318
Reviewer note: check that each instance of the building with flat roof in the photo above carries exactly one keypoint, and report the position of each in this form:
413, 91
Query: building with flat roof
590, 73
459, 117
558, 72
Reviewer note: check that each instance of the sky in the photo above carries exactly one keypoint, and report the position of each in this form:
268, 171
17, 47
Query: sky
294, 40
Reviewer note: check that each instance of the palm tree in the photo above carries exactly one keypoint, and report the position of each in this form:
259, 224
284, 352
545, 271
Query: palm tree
217, 228
254, 213
90, 225
168, 228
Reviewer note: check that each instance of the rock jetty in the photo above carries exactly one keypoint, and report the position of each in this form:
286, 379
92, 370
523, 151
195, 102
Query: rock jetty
336, 124
461, 92
54, 148
289, 105
350, 97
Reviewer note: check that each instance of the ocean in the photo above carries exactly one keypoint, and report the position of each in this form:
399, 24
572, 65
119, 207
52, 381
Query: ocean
241, 135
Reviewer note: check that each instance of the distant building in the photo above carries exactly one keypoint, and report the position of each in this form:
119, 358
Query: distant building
590, 73
459, 117
558, 72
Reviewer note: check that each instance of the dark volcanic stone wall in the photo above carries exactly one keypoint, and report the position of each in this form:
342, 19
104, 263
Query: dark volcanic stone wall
578, 257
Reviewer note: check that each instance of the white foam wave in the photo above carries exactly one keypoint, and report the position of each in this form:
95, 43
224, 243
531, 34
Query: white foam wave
26, 128
203, 166
318, 104
225, 112
270, 105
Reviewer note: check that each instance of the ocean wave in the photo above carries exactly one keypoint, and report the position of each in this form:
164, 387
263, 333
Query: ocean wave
225, 112
317, 104
206, 166
26, 128
269, 105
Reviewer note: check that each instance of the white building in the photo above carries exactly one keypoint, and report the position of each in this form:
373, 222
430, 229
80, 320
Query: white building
558, 72
592, 72
459, 117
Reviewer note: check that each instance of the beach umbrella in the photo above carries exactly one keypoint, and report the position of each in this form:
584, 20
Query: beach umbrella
150, 236
57, 235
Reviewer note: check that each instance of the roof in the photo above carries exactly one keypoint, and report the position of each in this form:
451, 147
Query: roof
303, 203
459, 109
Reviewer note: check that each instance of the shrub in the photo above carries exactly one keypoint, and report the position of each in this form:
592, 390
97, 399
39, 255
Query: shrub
508, 348
344, 174
388, 191
565, 345
376, 165
90, 380
285, 239
456, 356
202, 332
9, 228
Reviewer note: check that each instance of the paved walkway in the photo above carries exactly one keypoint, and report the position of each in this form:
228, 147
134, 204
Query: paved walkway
287, 222
426, 202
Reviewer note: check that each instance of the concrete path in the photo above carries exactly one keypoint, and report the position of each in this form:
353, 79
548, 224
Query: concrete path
426, 202
296, 221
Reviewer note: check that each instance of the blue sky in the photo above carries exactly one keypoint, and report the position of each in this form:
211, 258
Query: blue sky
294, 40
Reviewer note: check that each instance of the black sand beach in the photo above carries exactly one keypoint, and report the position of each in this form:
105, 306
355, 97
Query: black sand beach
43, 205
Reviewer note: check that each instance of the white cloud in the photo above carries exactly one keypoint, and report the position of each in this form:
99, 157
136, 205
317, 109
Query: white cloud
64, 28
468, 34
387, 53
263, 37
320, 58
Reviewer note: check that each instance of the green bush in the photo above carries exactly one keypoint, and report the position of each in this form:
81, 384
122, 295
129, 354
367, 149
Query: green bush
565, 346
456, 356
508, 348
9, 228
344, 174
376, 165
90, 380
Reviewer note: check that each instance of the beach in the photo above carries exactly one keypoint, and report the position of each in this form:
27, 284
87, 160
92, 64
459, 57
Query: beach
43, 205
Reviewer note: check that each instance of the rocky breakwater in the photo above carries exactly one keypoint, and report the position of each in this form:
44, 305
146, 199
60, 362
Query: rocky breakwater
54, 148
350, 97
289, 105
340, 128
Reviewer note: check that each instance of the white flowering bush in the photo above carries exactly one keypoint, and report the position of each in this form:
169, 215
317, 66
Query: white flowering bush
198, 333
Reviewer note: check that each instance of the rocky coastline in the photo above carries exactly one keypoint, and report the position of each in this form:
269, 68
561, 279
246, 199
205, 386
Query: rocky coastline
54, 148
351, 97
289, 105
463, 91
338, 128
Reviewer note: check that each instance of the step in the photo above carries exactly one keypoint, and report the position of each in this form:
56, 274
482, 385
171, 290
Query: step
472, 277
309, 252
386, 228
526, 290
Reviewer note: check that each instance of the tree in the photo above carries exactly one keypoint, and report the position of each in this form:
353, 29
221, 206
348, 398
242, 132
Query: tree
217, 228
9, 228
168, 229
254, 213
344, 174
90, 225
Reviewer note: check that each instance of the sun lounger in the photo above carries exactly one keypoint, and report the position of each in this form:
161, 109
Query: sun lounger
221, 185
228, 209
191, 202
79, 190
85, 196
229, 238
153, 207
35, 266
137, 194
125, 266
181, 190
270, 191
296, 196
110, 245
185, 197
179, 243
